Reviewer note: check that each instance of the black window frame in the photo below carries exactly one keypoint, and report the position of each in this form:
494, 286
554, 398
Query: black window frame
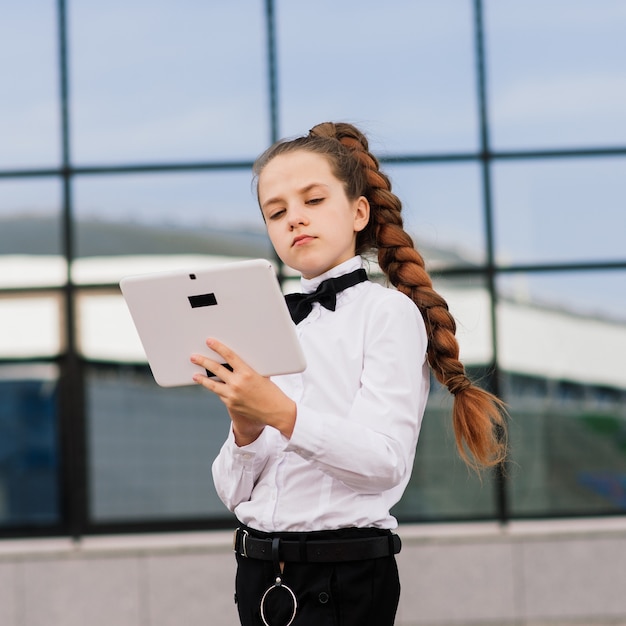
75, 520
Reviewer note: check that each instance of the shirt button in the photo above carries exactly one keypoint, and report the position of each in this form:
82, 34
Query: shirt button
323, 597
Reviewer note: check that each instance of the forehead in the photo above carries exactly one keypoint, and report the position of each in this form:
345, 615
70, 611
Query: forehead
295, 170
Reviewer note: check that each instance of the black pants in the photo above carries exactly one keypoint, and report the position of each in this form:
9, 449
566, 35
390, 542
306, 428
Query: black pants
354, 593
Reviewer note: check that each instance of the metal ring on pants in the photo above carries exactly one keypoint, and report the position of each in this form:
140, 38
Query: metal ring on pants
279, 585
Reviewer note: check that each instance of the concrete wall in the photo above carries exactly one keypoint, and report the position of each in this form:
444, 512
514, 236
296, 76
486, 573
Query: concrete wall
567, 572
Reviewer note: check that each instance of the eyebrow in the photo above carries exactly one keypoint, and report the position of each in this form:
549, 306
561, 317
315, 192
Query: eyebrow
302, 191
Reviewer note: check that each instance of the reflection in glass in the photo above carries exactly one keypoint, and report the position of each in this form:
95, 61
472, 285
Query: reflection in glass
167, 214
167, 81
556, 73
560, 211
30, 120
31, 326
442, 211
30, 222
591, 295
36, 270
566, 388
404, 72
470, 305
441, 486
151, 449
105, 329
29, 455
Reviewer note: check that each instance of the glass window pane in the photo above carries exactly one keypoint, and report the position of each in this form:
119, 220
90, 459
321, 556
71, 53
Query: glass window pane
36, 270
29, 455
469, 302
566, 388
589, 294
151, 449
105, 329
560, 211
30, 216
34, 326
30, 233
556, 73
213, 213
167, 81
441, 486
442, 209
403, 71
30, 120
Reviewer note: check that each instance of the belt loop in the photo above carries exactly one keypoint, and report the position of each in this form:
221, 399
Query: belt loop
395, 544
276, 555
303, 551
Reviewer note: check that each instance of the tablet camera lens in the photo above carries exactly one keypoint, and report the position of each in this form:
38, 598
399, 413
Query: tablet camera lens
192, 276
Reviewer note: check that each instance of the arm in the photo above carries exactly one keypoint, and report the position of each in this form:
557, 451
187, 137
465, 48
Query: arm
236, 469
253, 402
372, 447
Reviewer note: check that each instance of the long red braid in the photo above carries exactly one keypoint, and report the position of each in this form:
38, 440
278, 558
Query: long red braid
478, 416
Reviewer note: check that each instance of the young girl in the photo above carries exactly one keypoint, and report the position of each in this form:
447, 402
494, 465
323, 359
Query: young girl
314, 461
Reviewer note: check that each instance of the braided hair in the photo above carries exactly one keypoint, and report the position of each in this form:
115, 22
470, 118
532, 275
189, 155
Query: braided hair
478, 416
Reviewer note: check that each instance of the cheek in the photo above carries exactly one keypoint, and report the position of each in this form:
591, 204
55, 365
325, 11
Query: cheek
274, 234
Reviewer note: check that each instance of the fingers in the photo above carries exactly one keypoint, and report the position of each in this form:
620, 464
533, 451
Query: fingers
224, 351
213, 368
219, 369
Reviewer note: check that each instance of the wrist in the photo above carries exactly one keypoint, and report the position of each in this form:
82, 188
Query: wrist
285, 419
246, 436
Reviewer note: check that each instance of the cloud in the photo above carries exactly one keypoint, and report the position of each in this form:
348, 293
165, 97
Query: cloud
591, 96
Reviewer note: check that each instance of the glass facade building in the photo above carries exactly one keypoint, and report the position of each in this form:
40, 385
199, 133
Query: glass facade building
128, 134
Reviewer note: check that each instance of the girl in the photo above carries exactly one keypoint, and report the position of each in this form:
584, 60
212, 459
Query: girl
314, 461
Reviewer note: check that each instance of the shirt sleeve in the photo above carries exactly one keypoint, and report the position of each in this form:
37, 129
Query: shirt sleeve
236, 469
372, 448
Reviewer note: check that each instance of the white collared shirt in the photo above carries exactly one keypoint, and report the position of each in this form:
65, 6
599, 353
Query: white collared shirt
360, 404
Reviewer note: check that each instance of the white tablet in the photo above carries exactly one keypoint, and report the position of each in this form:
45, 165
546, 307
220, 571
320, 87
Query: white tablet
238, 303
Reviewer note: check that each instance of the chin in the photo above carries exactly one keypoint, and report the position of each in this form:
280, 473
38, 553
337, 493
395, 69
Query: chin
307, 264
308, 269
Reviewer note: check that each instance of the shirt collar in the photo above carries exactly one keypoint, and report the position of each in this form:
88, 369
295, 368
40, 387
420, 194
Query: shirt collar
309, 285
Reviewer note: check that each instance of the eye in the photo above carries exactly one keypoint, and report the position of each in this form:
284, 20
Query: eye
276, 214
315, 201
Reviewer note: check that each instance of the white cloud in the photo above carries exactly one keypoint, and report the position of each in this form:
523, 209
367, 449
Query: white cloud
592, 96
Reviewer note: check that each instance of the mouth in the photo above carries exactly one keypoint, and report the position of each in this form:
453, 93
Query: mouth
300, 240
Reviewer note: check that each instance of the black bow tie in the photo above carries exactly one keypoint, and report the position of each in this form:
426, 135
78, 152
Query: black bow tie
301, 304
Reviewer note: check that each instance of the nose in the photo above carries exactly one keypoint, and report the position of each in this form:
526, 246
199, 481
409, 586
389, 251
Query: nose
296, 217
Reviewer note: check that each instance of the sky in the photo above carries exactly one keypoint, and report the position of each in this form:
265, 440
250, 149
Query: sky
181, 82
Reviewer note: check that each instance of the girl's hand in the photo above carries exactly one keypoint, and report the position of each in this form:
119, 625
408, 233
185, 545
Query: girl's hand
253, 401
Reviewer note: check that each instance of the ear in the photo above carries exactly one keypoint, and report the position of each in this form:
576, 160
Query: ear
361, 213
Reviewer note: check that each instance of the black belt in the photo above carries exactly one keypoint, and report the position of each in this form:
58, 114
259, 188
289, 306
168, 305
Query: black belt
315, 551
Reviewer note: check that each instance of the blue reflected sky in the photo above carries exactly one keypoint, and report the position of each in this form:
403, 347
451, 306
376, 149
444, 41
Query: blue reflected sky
187, 81
557, 73
163, 81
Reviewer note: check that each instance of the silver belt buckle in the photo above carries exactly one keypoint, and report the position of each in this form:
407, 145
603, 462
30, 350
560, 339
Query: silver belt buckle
244, 545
